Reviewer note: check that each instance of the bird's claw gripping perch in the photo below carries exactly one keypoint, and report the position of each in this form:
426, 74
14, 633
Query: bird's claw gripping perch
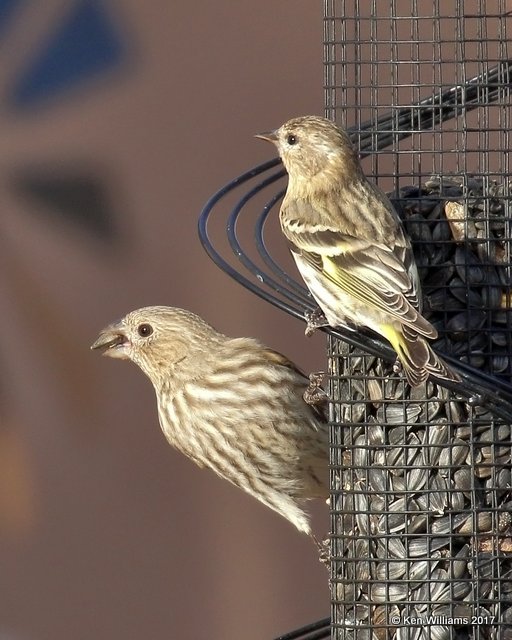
315, 320
397, 366
315, 395
324, 550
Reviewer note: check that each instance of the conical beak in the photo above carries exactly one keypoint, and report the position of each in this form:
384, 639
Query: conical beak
269, 136
111, 341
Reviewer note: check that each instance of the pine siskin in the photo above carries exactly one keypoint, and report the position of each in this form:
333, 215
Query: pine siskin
349, 244
229, 404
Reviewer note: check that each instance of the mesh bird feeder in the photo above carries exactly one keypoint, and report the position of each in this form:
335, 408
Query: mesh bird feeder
421, 479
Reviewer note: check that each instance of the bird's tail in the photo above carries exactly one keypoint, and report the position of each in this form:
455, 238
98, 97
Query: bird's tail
417, 358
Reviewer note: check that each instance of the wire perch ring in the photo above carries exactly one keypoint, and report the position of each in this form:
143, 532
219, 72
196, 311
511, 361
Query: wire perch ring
271, 282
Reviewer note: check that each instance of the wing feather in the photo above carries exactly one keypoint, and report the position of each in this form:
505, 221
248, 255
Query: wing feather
380, 276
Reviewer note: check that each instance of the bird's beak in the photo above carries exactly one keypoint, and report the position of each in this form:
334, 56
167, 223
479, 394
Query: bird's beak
112, 341
269, 136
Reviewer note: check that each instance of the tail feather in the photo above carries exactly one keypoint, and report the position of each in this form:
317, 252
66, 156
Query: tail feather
417, 357
438, 368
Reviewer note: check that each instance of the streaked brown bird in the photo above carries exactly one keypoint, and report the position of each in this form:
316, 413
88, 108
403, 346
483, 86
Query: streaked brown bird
349, 244
229, 404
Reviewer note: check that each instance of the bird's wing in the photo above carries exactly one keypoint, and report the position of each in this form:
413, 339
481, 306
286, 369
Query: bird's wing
277, 358
374, 274
319, 410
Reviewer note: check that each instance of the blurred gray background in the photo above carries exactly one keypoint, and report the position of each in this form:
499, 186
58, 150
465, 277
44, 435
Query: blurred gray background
119, 120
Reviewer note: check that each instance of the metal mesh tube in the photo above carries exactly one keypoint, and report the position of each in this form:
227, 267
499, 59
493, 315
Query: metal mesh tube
421, 478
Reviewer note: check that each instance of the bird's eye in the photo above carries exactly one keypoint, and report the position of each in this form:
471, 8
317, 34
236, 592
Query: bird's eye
291, 139
144, 330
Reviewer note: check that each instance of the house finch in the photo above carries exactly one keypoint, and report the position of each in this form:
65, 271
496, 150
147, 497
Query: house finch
349, 245
230, 404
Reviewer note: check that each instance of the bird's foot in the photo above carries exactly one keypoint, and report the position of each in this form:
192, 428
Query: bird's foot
315, 319
324, 550
315, 394
397, 366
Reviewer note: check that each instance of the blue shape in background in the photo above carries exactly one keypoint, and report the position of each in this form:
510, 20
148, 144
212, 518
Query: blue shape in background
6, 9
85, 44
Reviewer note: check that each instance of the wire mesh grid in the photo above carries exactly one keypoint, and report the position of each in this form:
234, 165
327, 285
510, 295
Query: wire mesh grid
421, 478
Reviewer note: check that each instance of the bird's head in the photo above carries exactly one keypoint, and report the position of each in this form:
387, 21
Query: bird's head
158, 339
312, 146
